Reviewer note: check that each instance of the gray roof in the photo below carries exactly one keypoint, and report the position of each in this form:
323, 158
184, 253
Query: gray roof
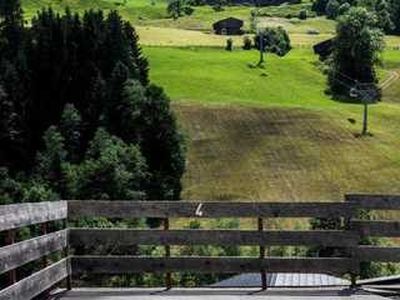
282, 280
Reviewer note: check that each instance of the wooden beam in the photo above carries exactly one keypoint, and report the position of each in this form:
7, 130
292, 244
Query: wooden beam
379, 254
18, 254
90, 237
138, 264
19, 215
378, 202
376, 228
38, 282
182, 209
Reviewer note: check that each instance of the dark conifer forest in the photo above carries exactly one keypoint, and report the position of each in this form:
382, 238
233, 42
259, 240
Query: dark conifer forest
79, 117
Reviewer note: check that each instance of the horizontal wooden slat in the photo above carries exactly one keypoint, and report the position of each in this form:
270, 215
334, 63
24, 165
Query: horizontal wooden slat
377, 228
131, 264
18, 215
378, 254
18, 254
38, 282
163, 209
126, 237
378, 202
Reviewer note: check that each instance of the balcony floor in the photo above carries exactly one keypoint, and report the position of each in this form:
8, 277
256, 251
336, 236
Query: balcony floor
214, 294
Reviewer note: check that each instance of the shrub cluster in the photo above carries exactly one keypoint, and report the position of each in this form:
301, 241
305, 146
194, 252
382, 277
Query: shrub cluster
274, 40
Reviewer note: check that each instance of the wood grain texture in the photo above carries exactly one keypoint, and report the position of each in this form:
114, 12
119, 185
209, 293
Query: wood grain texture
18, 254
38, 282
378, 254
133, 264
18, 215
376, 228
365, 201
126, 237
182, 209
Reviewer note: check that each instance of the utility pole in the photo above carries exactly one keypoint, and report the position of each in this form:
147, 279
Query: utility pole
367, 95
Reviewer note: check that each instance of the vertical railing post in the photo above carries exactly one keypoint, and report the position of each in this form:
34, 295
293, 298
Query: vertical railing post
355, 261
10, 239
44, 228
168, 277
263, 273
68, 280
353, 250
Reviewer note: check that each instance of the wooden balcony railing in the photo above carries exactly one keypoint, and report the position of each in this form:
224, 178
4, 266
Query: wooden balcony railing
16, 254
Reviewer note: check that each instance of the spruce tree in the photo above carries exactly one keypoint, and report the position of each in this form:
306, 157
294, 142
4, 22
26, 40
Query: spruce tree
70, 129
395, 15
382, 8
136, 55
11, 28
162, 145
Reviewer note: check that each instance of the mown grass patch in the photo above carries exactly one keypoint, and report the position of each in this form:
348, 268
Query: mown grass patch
213, 75
275, 154
209, 75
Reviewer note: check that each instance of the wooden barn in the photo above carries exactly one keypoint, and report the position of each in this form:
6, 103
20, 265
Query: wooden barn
228, 26
324, 49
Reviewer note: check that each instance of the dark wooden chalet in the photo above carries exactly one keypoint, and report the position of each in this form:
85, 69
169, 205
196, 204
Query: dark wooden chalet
228, 26
324, 49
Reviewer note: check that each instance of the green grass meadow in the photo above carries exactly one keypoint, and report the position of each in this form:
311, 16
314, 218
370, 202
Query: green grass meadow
295, 80
273, 134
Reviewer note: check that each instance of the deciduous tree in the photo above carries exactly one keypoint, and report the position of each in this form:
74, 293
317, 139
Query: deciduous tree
358, 42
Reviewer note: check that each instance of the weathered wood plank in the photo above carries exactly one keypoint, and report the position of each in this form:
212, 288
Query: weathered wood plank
381, 254
18, 254
126, 237
18, 215
365, 201
376, 228
174, 209
132, 264
38, 282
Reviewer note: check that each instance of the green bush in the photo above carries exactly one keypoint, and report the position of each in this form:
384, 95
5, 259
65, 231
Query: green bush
303, 14
247, 44
274, 40
229, 44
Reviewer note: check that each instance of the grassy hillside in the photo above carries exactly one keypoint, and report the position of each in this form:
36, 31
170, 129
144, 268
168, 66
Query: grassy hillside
279, 136
133, 9
153, 12
280, 154
231, 78
155, 28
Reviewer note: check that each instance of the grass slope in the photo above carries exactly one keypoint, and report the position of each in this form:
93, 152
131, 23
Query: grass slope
153, 12
230, 78
155, 28
275, 137
216, 76
276, 154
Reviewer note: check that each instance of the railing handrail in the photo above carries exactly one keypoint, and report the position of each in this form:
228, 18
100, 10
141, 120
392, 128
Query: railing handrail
207, 209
